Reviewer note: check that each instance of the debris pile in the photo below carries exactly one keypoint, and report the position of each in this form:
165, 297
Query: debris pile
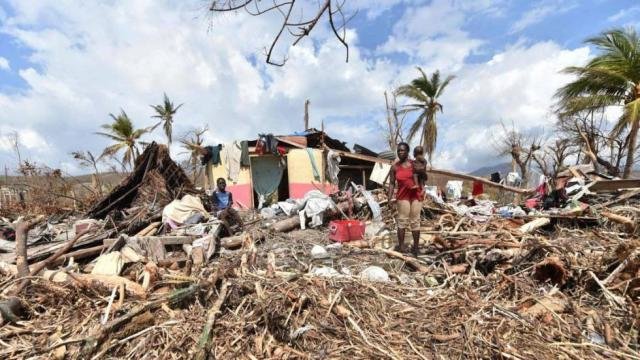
490, 281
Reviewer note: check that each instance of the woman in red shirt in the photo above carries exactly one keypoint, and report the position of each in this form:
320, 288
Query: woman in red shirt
407, 198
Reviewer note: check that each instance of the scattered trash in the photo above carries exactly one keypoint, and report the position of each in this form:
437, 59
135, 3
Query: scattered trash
375, 274
318, 252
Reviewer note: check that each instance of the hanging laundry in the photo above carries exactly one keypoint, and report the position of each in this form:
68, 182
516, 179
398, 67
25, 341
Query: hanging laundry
244, 157
270, 144
314, 167
495, 177
478, 188
333, 167
211, 155
231, 154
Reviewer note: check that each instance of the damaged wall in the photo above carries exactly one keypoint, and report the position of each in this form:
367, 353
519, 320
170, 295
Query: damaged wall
299, 170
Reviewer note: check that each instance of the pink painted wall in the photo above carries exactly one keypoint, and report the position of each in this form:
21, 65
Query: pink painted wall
242, 193
298, 190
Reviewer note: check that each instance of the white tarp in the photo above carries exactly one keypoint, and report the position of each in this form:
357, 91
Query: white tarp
315, 204
180, 210
379, 173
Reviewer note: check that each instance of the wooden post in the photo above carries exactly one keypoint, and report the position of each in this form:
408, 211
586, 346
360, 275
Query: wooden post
306, 114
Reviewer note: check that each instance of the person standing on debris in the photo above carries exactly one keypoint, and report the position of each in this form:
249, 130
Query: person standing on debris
407, 198
222, 201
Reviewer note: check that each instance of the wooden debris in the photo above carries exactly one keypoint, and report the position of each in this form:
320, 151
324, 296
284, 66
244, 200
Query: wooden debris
90, 280
534, 225
551, 269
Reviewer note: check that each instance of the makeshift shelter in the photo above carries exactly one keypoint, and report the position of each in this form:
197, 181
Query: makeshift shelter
155, 179
301, 162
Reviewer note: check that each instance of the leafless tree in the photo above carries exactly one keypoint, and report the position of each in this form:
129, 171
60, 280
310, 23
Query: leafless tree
394, 132
294, 20
14, 140
588, 132
87, 160
552, 159
519, 147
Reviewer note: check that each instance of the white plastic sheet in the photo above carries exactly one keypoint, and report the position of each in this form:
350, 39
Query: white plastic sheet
454, 189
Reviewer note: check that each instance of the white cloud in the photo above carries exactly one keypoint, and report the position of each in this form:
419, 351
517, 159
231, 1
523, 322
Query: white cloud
541, 11
91, 62
4, 64
624, 13
433, 35
515, 86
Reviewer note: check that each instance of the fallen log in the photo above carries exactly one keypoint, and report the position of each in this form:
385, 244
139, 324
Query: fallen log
165, 240
287, 224
623, 220
487, 182
236, 241
293, 222
204, 343
456, 244
149, 229
90, 280
533, 225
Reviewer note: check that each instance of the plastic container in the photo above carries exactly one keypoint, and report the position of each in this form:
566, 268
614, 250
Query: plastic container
346, 230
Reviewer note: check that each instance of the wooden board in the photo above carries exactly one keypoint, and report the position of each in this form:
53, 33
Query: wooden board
613, 185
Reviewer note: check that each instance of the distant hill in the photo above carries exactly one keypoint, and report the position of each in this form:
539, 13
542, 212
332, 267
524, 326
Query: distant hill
503, 169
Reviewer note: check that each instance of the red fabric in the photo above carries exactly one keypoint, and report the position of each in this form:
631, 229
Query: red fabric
260, 148
532, 203
281, 150
478, 188
542, 189
404, 178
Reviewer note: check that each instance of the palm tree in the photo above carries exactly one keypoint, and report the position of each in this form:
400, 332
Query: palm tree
165, 112
126, 137
426, 92
610, 79
192, 143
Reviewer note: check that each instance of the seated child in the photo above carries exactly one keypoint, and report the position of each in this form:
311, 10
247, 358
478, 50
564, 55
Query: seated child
419, 168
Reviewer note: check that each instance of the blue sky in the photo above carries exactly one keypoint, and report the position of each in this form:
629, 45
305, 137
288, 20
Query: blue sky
65, 65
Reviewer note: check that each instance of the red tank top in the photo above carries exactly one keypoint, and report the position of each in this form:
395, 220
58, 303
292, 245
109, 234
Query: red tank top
404, 178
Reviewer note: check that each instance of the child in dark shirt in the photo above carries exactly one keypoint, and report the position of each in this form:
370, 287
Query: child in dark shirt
419, 168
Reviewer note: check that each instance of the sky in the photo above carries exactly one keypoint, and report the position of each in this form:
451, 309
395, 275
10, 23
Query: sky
65, 65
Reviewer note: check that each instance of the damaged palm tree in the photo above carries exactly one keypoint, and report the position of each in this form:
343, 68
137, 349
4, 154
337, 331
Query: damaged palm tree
425, 91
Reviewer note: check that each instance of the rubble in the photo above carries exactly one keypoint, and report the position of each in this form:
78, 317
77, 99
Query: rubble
136, 278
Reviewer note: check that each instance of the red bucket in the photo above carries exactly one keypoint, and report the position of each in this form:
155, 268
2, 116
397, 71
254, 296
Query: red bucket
346, 230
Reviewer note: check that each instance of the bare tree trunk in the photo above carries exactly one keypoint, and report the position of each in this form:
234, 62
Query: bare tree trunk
633, 135
22, 228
